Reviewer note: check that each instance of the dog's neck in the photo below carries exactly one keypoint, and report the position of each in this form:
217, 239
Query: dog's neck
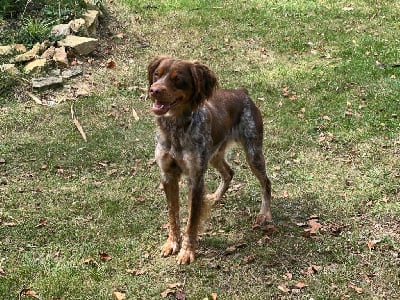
173, 123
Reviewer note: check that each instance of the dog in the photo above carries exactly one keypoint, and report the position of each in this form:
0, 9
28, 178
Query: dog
196, 123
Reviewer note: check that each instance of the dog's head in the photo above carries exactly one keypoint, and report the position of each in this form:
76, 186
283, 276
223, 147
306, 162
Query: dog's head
178, 85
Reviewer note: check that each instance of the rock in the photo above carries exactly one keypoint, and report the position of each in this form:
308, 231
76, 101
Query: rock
47, 82
81, 45
10, 68
35, 65
20, 48
55, 72
9, 49
61, 30
91, 21
49, 53
66, 74
60, 56
6, 50
29, 55
78, 25
44, 46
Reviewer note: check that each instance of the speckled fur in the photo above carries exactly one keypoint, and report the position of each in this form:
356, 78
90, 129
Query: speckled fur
195, 125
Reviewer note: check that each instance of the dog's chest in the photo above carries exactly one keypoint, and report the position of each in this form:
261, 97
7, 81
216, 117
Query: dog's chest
185, 145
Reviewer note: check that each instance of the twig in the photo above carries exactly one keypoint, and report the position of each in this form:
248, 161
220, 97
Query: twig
77, 124
34, 98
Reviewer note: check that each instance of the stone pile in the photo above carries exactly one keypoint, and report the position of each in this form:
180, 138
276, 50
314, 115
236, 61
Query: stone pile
74, 37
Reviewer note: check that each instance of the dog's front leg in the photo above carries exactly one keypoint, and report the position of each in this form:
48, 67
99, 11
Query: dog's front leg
196, 194
171, 188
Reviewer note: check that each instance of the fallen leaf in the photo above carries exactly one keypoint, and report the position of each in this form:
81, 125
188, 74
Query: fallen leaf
358, 290
249, 259
214, 296
111, 64
175, 285
311, 270
288, 276
90, 260
104, 256
371, 244
42, 222
315, 226
285, 194
119, 296
29, 293
167, 292
300, 285
283, 288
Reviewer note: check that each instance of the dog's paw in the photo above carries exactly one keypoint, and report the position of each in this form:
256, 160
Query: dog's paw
262, 220
186, 256
169, 248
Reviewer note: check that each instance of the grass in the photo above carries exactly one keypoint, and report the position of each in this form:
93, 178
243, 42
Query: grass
331, 140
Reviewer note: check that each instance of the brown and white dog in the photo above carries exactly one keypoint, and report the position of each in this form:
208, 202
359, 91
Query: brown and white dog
196, 123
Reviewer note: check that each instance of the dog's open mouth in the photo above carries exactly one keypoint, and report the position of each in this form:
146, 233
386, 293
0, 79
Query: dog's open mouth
160, 107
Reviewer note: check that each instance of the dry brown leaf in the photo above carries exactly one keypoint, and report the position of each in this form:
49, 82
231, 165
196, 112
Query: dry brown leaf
300, 285
358, 290
311, 270
249, 259
135, 115
167, 292
288, 276
214, 296
90, 261
283, 288
111, 64
314, 226
104, 256
119, 296
175, 285
42, 222
371, 244
29, 293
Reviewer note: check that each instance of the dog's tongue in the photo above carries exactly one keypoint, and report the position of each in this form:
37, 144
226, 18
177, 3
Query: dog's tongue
160, 108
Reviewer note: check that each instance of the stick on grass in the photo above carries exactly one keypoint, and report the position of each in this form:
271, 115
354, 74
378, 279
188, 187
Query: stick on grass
77, 124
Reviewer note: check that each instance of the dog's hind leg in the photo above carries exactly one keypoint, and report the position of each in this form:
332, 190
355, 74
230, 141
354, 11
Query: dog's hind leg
219, 163
256, 160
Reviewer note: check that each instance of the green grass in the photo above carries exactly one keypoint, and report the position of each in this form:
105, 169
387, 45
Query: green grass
332, 145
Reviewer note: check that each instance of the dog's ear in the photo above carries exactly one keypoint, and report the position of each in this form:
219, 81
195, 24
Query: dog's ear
205, 82
153, 66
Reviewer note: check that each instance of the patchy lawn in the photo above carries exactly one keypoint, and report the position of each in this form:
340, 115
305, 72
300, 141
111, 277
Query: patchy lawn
86, 220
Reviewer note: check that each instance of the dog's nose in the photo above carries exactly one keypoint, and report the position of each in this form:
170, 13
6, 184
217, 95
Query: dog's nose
156, 90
